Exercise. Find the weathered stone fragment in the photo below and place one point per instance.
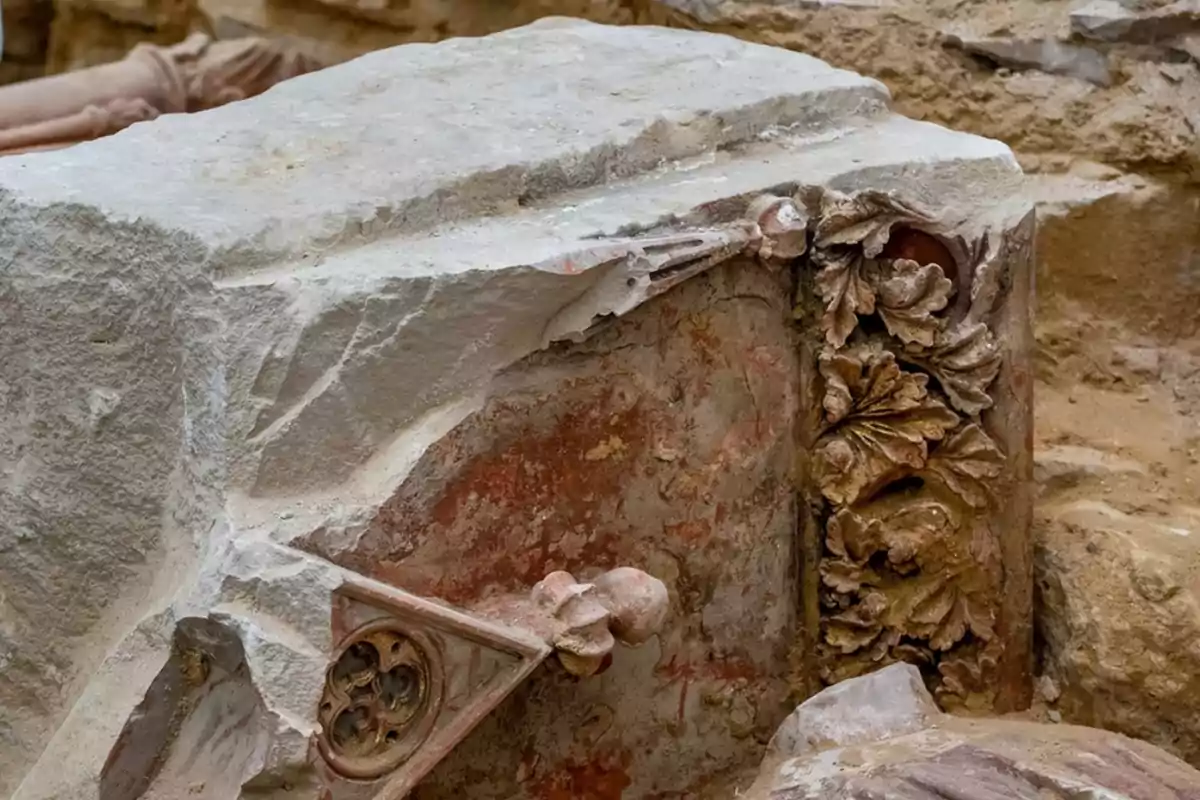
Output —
(295, 418)
(1110, 21)
(933, 756)
(1046, 55)
(890, 702)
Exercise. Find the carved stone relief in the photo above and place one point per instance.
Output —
(383, 693)
(194, 75)
(411, 678)
(628, 448)
(407, 448)
(910, 478)
(903, 474)
(924, 547)
(859, 516)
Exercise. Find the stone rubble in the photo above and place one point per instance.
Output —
(1046, 55)
(913, 751)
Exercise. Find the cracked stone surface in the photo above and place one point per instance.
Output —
(380, 335)
(915, 752)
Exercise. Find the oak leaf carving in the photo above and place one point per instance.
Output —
(965, 360)
(883, 418)
(938, 585)
(945, 618)
(967, 676)
(843, 286)
(864, 219)
(859, 626)
(968, 463)
(843, 575)
(849, 235)
(905, 534)
(941, 606)
(933, 610)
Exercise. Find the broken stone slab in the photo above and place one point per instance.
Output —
(1045, 55)
(934, 755)
(1111, 21)
(882, 705)
(1102, 20)
(1189, 45)
(462, 317)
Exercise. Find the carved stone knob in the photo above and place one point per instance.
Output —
(637, 601)
(783, 225)
(624, 602)
(581, 635)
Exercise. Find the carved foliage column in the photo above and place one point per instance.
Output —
(917, 457)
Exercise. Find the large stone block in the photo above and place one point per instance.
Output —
(312, 402)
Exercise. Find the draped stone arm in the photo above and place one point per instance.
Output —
(90, 122)
(193, 75)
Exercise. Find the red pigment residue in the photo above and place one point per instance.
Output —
(922, 248)
(506, 517)
(683, 674)
(603, 777)
(710, 669)
(692, 531)
(707, 344)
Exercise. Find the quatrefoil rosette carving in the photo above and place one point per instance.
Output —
(389, 679)
(383, 693)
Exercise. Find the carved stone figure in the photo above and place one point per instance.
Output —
(194, 75)
(541, 419)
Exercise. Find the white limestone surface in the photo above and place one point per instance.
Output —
(224, 330)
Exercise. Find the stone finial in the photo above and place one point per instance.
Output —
(637, 602)
(783, 226)
(586, 619)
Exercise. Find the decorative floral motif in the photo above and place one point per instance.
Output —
(965, 361)
(849, 238)
(968, 464)
(966, 682)
(965, 358)
(912, 570)
(908, 295)
(884, 417)
(846, 291)
(864, 220)
(946, 596)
